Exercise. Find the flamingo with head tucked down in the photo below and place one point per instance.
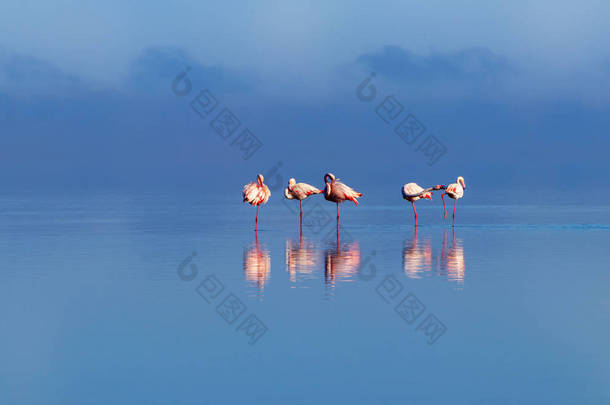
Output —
(337, 192)
(299, 191)
(455, 191)
(256, 194)
(413, 192)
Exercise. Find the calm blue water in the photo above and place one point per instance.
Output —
(104, 299)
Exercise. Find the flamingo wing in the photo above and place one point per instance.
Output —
(454, 190)
(256, 194)
(411, 190)
(264, 194)
(250, 192)
(348, 193)
(308, 189)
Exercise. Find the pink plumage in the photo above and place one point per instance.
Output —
(299, 191)
(413, 192)
(455, 191)
(256, 194)
(338, 192)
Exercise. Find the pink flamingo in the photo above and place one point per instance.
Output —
(455, 191)
(256, 194)
(299, 191)
(338, 192)
(413, 192)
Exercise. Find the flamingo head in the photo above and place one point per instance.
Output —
(260, 179)
(329, 176)
(461, 181)
(292, 182)
(440, 187)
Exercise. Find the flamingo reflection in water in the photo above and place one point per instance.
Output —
(417, 256)
(342, 262)
(301, 258)
(257, 264)
(452, 261)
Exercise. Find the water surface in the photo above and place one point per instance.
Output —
(173, 298)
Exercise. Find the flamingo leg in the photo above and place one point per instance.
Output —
(337, 237)
(414, 212)
(444, 208)
(256, 221)
(337, 213)
(301, 219)
(444, 248)
(454, 205)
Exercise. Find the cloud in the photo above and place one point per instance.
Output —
(155, 68)
(150, 72)
(472, 63)
(81, 131)
(28, 75)
(143, 132)
(473, 73)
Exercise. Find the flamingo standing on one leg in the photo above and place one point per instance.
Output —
(299, 191)
(338, 192)
(413, 192)
(455, 191)
(256, 194)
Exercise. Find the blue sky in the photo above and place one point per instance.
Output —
(518, 93)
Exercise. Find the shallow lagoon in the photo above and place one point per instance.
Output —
(102, 301)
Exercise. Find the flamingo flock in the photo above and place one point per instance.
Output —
(257, 193)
